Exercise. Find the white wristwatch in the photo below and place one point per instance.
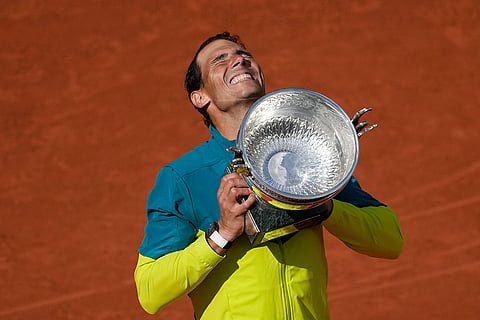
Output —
(213, 234)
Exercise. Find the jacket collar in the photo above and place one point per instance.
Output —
(220, 140)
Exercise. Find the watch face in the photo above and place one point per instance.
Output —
(213, 227)
(212, 234)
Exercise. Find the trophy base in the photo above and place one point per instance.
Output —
(265, 222)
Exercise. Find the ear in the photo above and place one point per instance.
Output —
(199, 98)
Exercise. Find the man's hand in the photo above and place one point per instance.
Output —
(234, 198)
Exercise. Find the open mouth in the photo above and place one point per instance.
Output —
(241, 77)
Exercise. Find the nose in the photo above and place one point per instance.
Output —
(240, 60)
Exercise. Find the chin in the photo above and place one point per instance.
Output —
(252, 94)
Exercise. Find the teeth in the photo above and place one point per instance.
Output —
(241, 77)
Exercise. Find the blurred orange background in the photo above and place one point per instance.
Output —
(92, 105)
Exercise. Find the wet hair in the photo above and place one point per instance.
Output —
(193, 77)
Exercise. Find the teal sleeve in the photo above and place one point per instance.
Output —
(171, 221)
(164, 280)
(354, 194)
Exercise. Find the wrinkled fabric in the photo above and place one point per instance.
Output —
(284, 278)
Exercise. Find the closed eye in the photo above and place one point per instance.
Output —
(219, 59)
(244, 53)
(222, 57)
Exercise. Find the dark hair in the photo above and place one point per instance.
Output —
(193, 77)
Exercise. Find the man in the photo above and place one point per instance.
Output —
(194, 240)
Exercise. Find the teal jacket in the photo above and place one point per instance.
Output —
(281, 279)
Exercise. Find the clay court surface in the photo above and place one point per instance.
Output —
(92, 106)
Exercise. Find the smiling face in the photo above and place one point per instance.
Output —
(230, 76)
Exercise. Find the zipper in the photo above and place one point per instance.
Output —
(285, 285)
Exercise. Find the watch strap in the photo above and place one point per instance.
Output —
(216, 237)
(219, 240)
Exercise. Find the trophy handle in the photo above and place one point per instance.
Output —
(361, 127)
(237, 164)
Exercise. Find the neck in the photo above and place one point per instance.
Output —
(228, 123)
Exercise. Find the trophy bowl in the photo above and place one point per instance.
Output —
(299, 146)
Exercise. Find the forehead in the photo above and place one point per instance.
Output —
(212, 50)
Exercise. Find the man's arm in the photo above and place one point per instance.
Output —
(364, 224)
(372, 230)
(174, 256)
(166, 279)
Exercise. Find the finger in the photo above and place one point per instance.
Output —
(233, 175)
(233, 179)
(229, 181)
(233, 191)
(242, 191)
(234, 182)
(239, 194)
(248, 201)
(241, 206)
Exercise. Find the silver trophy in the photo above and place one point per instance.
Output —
(296, 149)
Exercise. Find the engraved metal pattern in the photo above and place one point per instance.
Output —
(298, 145)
